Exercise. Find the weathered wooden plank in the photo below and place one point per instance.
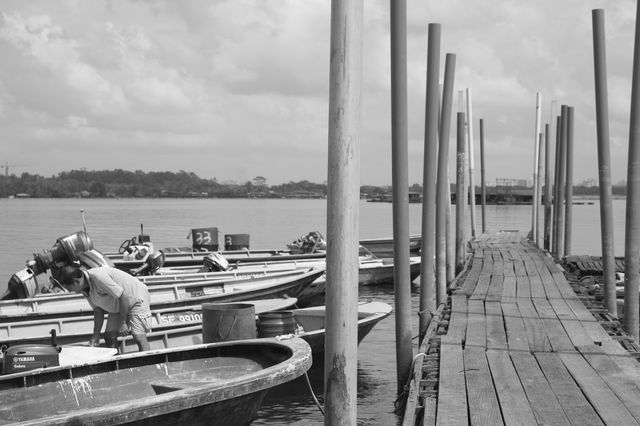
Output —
(498, 263)
(496, 334)
(516, 332)
(480, 292)
(536, 333)
(566, 390)
(452, 393)
(429, 411)
(543, 401)
(487, 262)
(529, 265)
(494, 292)
(524, 287)
(556, 333)
(621, 385)
(573, 327)
(509, 270)
(510, 393)
(610, 409)
(476, 330)
(537, 289)
(484, 408)
(509, 288)
(458, 320)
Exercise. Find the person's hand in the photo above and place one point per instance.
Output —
(124, 329)
(94, 343)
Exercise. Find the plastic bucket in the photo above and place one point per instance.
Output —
(236, 241)
(272, 324)
(223, 322)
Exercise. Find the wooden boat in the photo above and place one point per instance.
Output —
(383, 247)
(222, 382)
(290, 283)
(372, 271)
(77, 329)
(168, 335)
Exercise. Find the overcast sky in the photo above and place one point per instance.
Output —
(238, 89)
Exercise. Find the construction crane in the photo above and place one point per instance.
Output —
(6, 166)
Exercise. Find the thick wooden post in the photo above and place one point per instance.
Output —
(460, 193)
(604, 162)
(556, 187)
(568, 190)
(632, 227)
(341, 340)
(561, 179)
(400, 181)
(483, 187)
(427, 273)
(442, 204)
(547, 189)
(536, 158)
(538, 191)
(470, 159)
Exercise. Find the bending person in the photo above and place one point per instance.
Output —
(122, 296)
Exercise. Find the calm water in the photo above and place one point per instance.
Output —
(31, 225)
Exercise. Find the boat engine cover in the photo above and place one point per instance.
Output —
(29, 357)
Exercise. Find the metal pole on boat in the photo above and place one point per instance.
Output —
(460, 194)
(536, 157)
(561, 177)
(568, 189)
(472, 185)
(84, 223)
(482, 182)
(547, 188)
(604, 161)
(632, 226)
(400, 181)
(556, 186)
(343, 197)
(443, 181)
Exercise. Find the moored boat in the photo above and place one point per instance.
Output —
(290, 283)
(225, 382)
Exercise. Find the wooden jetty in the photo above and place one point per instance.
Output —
(515, 345)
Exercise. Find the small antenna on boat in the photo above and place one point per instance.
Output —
(84, 224)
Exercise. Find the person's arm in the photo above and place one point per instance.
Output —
(98, 321)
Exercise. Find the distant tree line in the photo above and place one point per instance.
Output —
(127, 184)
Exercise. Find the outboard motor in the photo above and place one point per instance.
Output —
(17, 359)
(215, 262)
(152, 263)
(76, 248)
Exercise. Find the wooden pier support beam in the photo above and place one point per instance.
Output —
(442, 192)
(470, 159)
(483, 187)
(460, 194)
(568, 189)
(400, 181)
(632, 227)
(536, 159)
(604, 162)
(343, 198)
(547, 189)
(427, 272)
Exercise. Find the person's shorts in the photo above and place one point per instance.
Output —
(138, 320)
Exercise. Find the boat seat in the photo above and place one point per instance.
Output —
(165, 386)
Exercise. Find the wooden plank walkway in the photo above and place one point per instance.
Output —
(521, 349)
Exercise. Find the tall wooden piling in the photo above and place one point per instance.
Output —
(442, 193)
(561, 178)
(538, 236)
(547, 189)
(343, 198)
(483, 187)
(400, 181)
(460, 193)
(427, 273)
(536, 158)
(632, 226)
(568, 189)
(556, 188)
(604, 161)
(470, 159)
